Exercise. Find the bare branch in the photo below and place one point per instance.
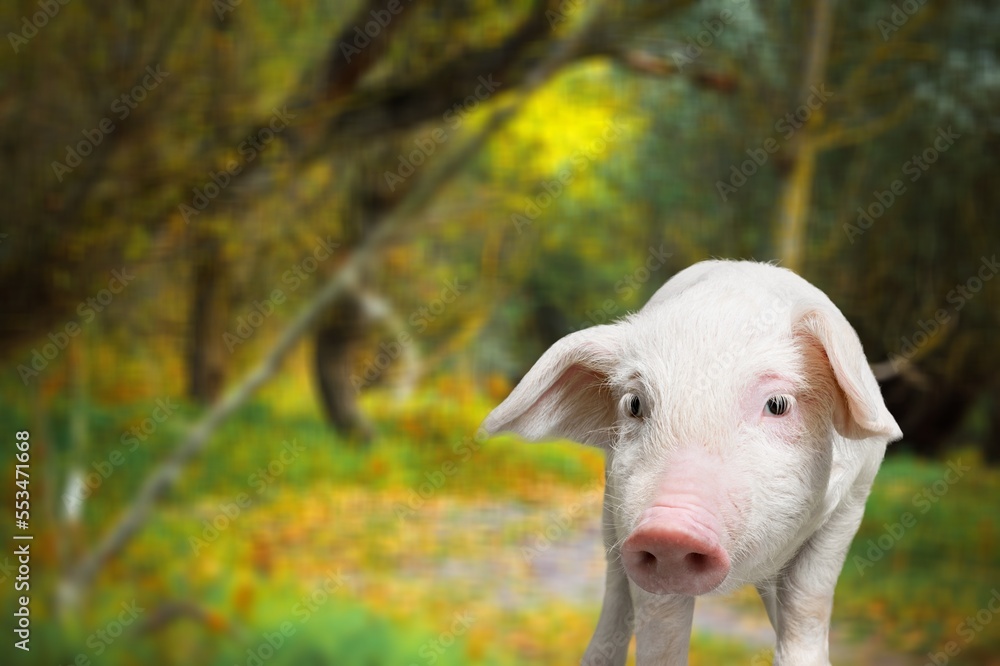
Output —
(896, 48)
(886, 370)
(651, 64)
(346, 68)
(163, 477)
(838, 135)
(403, 104)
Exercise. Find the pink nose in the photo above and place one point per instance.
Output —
(671, 553)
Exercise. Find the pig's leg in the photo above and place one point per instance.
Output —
(662, 628)
(609, 645)
(768, 595)
(805, 592)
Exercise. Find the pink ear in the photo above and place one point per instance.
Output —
(565, 394)
(866, 414)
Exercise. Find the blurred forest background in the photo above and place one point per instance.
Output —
(266, 266)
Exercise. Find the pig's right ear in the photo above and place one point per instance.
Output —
(566, 394)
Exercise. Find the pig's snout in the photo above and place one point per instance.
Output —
(672, 551)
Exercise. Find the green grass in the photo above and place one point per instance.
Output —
(943, 568)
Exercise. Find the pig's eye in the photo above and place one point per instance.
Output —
(632, 406)
(777, 405)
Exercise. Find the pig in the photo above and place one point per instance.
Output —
(742, 428)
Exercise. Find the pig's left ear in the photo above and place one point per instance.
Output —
(565, 395)
(864, 415)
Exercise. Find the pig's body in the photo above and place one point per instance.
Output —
(743, 429)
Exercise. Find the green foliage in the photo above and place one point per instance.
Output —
(335, 511)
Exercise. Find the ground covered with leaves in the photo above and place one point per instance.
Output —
(284, 546)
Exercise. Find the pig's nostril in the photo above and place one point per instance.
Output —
(697, 561)
(674, 555)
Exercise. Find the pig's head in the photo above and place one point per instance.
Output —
(719, 405)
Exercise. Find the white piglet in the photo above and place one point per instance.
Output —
(743, 429)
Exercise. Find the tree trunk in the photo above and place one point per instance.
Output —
(793, 206)
(991, 447)
(796, 188)
(336, 341)
(350, 319)
(205, 357)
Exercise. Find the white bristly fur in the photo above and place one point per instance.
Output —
(703, 356)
